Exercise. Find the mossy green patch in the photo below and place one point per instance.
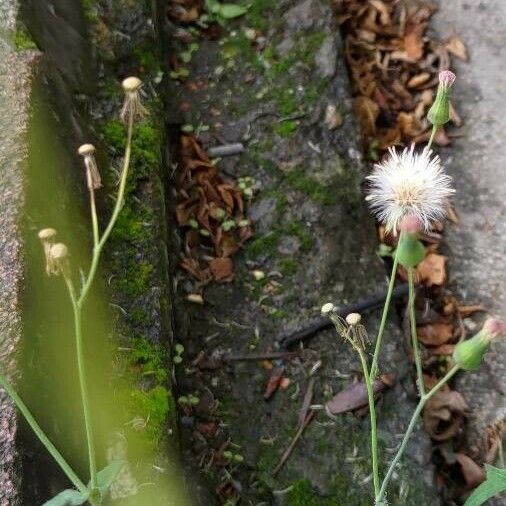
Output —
(137, 280)
(151, 359)
(303, 494)
(153, 407)
(286, 128)
(267, 244)
(299, 179)
(23, 40)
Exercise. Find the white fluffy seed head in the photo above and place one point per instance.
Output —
(409, 183)
(327, 308)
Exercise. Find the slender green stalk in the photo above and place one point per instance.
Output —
(97, 250)
(72, 476)
(414, 336)
(83, 384)
(94, 218)
(381, 331)
(372, 415)
(432, 135)
(409, 431)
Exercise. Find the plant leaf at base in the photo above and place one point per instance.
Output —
(493, 485)
(69, 497)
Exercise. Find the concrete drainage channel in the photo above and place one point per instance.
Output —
(310, 229)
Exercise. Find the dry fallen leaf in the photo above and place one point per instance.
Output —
(222, 269)
(443, 415)
(431, 270)
(435, 334)
(457, 48)
(367, 111)
(354, 396)
(472, 472)
(274, 382)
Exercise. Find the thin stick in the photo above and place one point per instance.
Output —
(72, 476)
(381, 331)
(261, 356)
(423, 400)
(317, 324)
(289, 450)
(414, 335)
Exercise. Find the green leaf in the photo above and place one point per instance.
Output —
(69, 497)
(493, 485)
(213, 6)
(106, 477)
(230, 11)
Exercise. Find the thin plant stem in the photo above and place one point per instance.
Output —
(57, 456)
(372, 415)
(432, 135)
(409, 431)
(83, 383)
(94, 218)
(97, 250)
(414, 335)
(381, 331)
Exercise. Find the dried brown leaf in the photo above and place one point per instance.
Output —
(431, 270)
(472, 472)
(435, 334)
(457, 48)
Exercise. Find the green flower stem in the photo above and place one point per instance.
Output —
(97, 250)
(372, 415)
(414, 336)
(381, 331)
(72, 476)
(83, 384)
(432, 135)
(94, 219)
(421, 404)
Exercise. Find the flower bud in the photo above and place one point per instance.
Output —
(87, 151)
(327, 308)
(410, 251)
(58, 259)
(469, 354)
(439, 113)
(353, 319)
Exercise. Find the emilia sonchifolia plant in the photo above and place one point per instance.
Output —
(58, 264)
(407, 192)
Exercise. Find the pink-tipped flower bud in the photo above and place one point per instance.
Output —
(447, 78)
(410, 251)
(439, 113)
(469, 354)
(410, 224)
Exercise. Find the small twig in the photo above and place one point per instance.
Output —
(288, 451)
(235, 148)
(261, 356)
(317, 324)
(308, 397)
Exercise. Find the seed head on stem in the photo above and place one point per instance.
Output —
(47, 235)
(132, 106)
(87, 151)
(59, 260)
(409, 183)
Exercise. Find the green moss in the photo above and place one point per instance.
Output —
(303, 494)
(267, 244)
(23, 40)
(322, 193)
(286, 128)
(259, 15)
(264, 245)
(153, 406)
(136, 280)
(146, 147)
(150, 359)
(288, 266)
